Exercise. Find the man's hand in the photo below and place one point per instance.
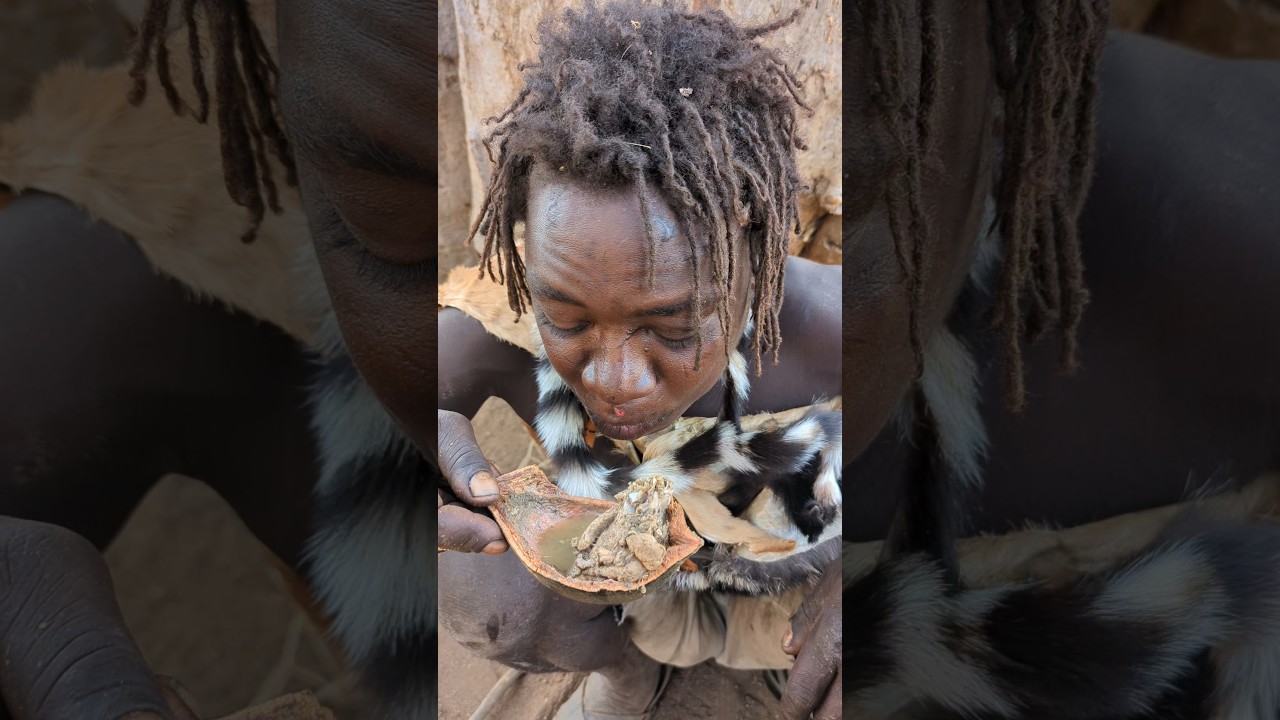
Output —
(813, 687)
(65, 648)
(470, 486)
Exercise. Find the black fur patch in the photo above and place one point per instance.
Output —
(398, 478)
(867, 606)
(1048, 650)
(775, 459)
(701, 451)
(403, 674)
(796, 493)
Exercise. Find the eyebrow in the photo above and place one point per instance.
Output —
(668, 310)
(366, 152)
(550, 293)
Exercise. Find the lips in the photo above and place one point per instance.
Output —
(629, 430)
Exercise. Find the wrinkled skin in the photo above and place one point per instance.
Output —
(54, 581)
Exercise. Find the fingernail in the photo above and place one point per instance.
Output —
(786, 639)
(483, 485)
(497, 547)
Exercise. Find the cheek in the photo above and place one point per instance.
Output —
(877, 369)
(878, 365)
(391, 337)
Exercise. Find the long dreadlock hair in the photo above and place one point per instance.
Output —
(1046, 61)
(654, 96)
(244, 84)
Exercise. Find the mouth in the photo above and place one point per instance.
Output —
(627, 431)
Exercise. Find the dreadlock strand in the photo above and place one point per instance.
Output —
(646, 211)
(237, 159)
(261, 75)
(149, 30)
(244, 89)
(738, 213)
(257, 111)
(197, 61)
(930, 54)
(163, 70)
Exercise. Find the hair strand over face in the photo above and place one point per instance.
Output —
(1046, 58)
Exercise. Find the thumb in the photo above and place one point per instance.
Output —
(464, 466)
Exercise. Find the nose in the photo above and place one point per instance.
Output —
(619, 373)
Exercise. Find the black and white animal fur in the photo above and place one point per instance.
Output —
(1190, 629)
(370, 560)
(798, 466)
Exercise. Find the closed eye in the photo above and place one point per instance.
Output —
(678, 343)
(545, 321)
(393, 276)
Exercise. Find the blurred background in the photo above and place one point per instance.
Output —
(204, 602)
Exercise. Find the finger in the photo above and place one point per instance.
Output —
(465, 530)
(462, 463)
(804, 619)
(808, 682)
(479, 544)
(821, 600)
(71, 654)
(831, 707)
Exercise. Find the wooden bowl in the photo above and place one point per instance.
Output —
(530, 504)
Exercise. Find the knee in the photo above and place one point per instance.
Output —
(493, 612)
(32, 550)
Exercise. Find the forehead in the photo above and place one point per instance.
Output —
(576, 229)
(565, 213)
(358, 67)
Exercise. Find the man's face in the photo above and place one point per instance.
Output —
(626, 347)
(878, 365)
(357, 81)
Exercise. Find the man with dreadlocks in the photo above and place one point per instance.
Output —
(1177, 355)
(650, 158)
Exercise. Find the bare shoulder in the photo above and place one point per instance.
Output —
(811, 303)
(1185, 199)
(1199, 128)
(810, 318)
(474, 365)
